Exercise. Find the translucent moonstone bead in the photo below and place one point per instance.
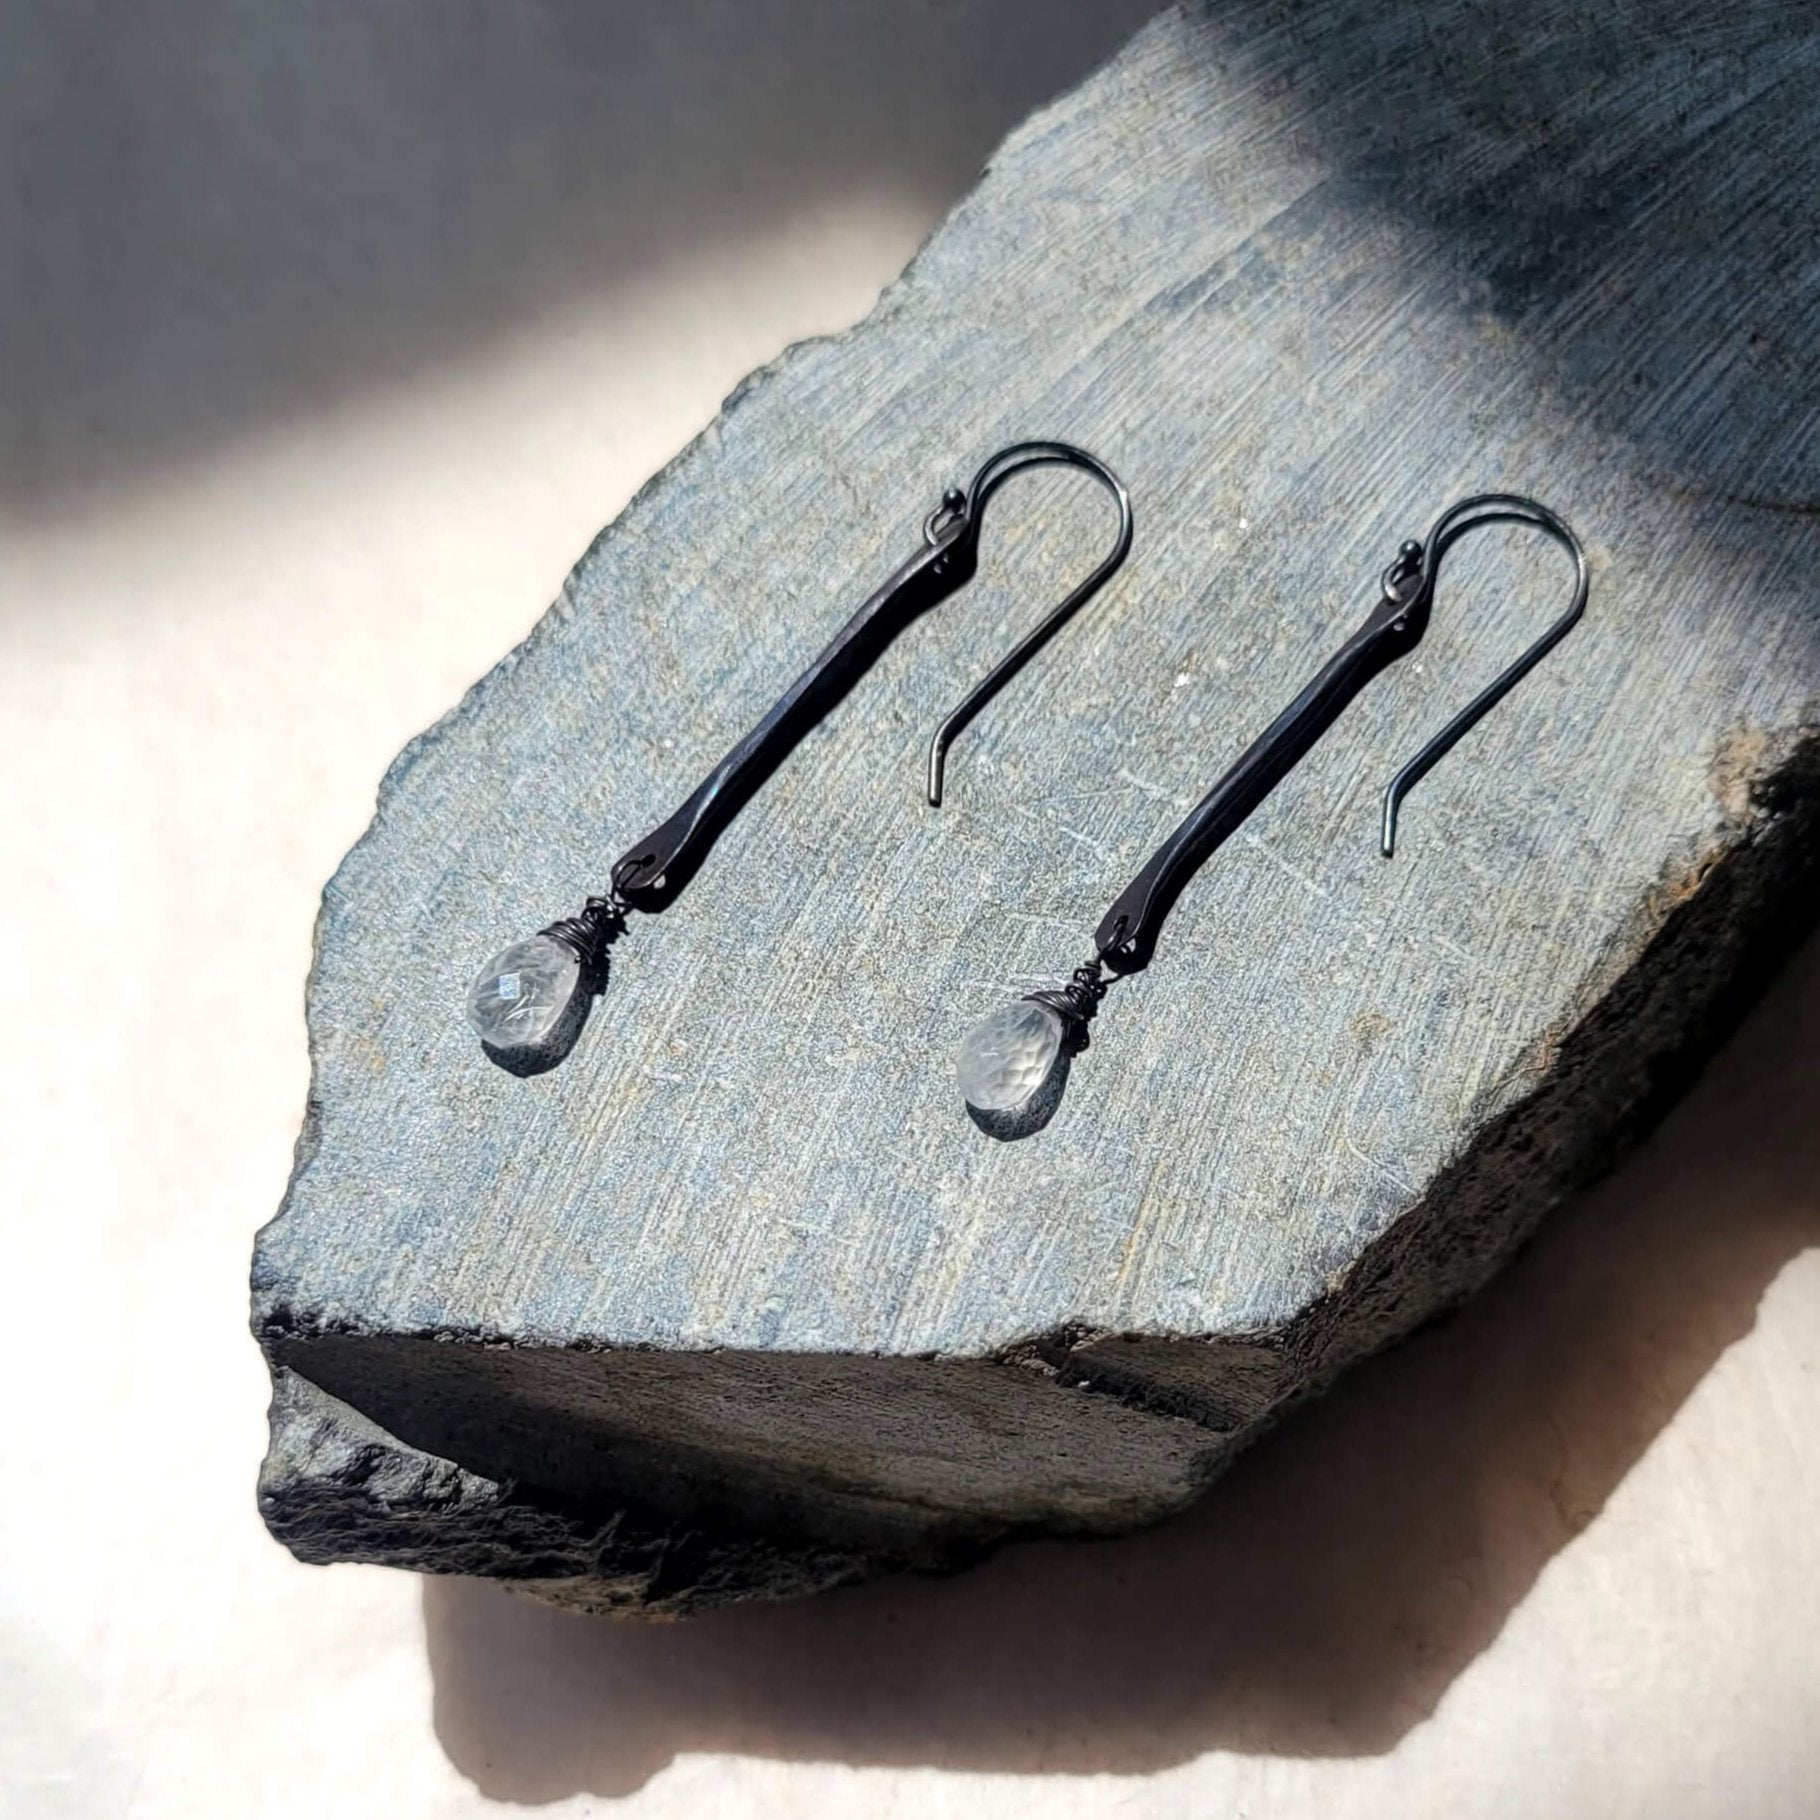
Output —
(1006, 1059)
(522, 993)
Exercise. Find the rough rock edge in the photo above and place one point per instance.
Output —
(335, 1486)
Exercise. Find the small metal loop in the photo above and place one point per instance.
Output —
(952, 510)
(986, 482)
(1403, 582)
(1419, 564)
(1076, 1002)
(588, 936)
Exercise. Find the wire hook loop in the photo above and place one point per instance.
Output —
(971, 508)
(1420, 565)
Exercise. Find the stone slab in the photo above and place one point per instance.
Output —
(737, 1301)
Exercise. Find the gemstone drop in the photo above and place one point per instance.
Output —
(1006, 1059)
(522, 993)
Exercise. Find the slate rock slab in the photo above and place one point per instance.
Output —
(737, 1302)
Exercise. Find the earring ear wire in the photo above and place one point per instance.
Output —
(986, 482)
(1453, 524)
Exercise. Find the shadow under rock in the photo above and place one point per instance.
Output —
(1319, 1602)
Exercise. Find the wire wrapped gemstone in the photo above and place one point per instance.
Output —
(523, 992)
(1007, 1059)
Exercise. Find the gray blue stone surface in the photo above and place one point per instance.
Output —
(737, 1300)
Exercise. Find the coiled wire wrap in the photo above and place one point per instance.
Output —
(1076, 1002)
(588, 936)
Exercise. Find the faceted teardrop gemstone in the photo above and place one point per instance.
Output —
(1007, 1059)
(523, 994)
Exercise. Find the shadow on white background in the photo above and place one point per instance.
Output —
(1318, 1602)
(216, 214)
(331, 337)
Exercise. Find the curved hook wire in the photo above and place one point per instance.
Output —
(1421, 563)
(969, 508)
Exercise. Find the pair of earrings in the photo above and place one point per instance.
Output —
(530, 1003)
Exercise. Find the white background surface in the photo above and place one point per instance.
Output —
(332, 336)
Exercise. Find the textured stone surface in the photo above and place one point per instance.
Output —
(737, 1300)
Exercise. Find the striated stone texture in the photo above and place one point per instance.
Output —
(737, 1301)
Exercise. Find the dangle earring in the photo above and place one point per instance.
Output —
(1014, 1063)
(530, 1001)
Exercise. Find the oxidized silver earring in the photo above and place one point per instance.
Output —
(1014, 1063)
(531, 1000)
